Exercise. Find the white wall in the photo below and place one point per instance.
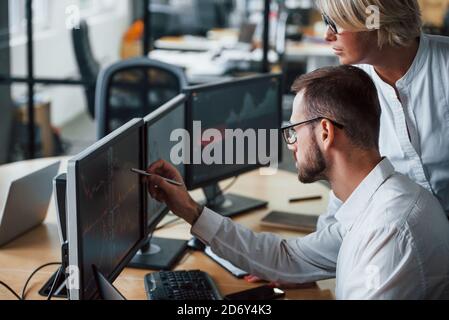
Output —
(54, 56)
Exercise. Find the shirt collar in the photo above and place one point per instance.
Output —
(361, 197)
(416, 66)
(418, 62)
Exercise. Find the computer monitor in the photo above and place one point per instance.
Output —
(160, 125)
(161, 253)
(106, 208)
(253, 105)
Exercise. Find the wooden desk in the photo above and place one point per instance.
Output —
(41, 245)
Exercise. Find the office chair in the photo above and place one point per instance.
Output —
(87, 65)
(134, 88)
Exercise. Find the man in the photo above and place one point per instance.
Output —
(411, 72)
(390, 238)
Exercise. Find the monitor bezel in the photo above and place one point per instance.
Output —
(74, 238)
(149, 120)
(190, 184)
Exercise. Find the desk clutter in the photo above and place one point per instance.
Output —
(48, 142)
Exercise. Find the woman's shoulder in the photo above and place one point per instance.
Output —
(439, 43)
(439, 53)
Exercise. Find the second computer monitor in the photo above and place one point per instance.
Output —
(161, 253)
(252, 105)
(159, 128)
(234, 129)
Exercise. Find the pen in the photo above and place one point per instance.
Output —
(306, 199)
(176, 183)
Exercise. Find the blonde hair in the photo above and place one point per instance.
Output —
(399, 20)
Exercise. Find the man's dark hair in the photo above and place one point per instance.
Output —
(347, 95)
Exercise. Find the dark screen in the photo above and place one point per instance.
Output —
(243, 105)
(159, 148)
(109, 207)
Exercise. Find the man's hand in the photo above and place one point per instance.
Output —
(254, 279)
(176, 198)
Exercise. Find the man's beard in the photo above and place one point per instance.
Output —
(315, 166)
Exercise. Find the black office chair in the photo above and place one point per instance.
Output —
(88, 67)
(134, 88)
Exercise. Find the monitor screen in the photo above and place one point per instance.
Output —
(106, 207)
(159, 127)
(251, 106)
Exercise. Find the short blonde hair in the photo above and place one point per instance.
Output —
(400, 20)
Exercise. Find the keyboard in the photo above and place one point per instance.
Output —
(181, 285)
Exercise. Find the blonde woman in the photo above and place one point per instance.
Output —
(411, 72)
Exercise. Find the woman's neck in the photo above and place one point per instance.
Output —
(393, 63)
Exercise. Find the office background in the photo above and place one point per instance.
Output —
(113, 34)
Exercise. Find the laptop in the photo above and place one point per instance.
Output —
(24, 201)
(246, 37)
(247, 32)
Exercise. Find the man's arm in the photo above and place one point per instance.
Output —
(266, 255)
(299, 260)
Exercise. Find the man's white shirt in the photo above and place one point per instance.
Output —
(389, 240)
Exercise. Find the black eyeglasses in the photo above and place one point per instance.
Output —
(289, 132)
(329, 23)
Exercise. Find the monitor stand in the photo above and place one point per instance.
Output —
(229, 205)
(159, 254)
(58, 280)
(106, 290)
(60, 290)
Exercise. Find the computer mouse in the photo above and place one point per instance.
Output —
(196, 244)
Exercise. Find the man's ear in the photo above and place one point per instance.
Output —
(327, 134)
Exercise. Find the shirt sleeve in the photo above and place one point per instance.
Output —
(300, 260)
(328, 218)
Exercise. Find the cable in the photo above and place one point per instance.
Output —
(34, 272)
(167, 223)
(231, 184)
(10, 290)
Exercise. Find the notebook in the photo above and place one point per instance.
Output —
(290, 221)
